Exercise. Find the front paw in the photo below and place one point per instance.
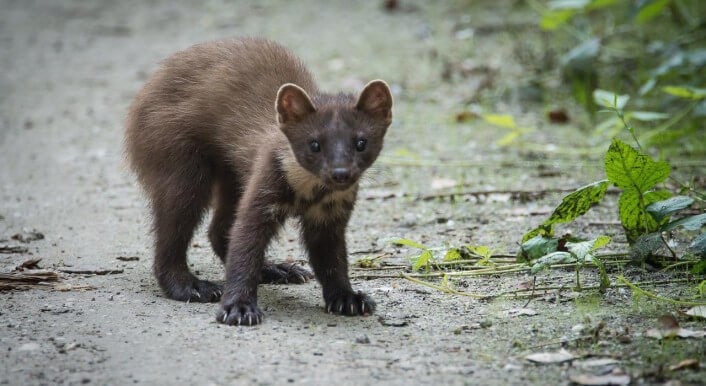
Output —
(234, 312)
(350, 303)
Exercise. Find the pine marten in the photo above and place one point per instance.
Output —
(240, 125)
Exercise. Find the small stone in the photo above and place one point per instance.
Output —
(579, 328)
(363, 339)
(486, 323)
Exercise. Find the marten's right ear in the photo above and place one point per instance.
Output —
(293, 104)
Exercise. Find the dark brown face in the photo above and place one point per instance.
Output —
(339, 138)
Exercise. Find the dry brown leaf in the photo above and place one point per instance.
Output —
(685, 364)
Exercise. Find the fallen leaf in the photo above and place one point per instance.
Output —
(602, 362)
(551, 357)
(128, 258)
(668, 326)
(685, 364)
(681, 333)
(89, 271)
(29, 264)
(441, 183)
(28, 235)
(464, 116)
(7, 248)
(600, 380)
(558, 116)
(524, 285)
(667, 322)
(697, 312)
(522, 311)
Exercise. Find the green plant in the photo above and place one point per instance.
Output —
(644, 211)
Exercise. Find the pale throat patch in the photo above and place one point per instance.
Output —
(306, 185)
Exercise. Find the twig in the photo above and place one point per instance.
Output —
(440, 288)
(651, 295)
(479, 193)
(674, 255)
(534, 281)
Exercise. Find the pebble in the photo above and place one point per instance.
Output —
(363, 339)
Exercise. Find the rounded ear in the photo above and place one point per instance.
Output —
(293, 103)
(376, 100)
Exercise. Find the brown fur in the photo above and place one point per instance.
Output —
(232, 124)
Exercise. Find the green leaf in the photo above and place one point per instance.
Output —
(509, 138)
(648, 115)
(568, 4)
(551, 259)
(646, 245)
(596, 4)
(648, 86)
(660, 210)
(700, 268)
(577, 203)
(482, 251)
(581, 250)
(406, 242)
(552, 20)
(609, 99)
(691, 223)
(685, 92)
(572, 206)
(452, 254)
(582, 56)
(632, 215)
(422, 261)
(629, 169)
(539, 231)
(698, 246)
(537, 247)
(500, 120)
(650, 11)
(604, 279)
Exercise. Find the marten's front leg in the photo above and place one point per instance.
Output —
(254, 227)
(326, 245)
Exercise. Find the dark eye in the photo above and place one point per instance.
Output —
(314, 146)
(360, 145)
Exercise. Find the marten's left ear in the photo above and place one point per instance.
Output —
(376, 100)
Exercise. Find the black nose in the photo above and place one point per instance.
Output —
(340, 174)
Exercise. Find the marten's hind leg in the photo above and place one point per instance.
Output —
(179, 200)
(227, 193)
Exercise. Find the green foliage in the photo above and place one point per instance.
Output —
(543, 252)
(633, 216)
(635, 173)
(698, 247)
(663, 209)
(631, 170)
(638, 47)
(571, 207)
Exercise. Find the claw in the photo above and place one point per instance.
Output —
(225, 316)
(352, 309)
(328, 308)
(301, 278)
(249, 320)
(238, 324)
(362, 307)
(340, 309)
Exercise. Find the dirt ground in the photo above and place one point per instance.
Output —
(69, 72)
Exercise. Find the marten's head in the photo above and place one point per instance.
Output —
(335, 137)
